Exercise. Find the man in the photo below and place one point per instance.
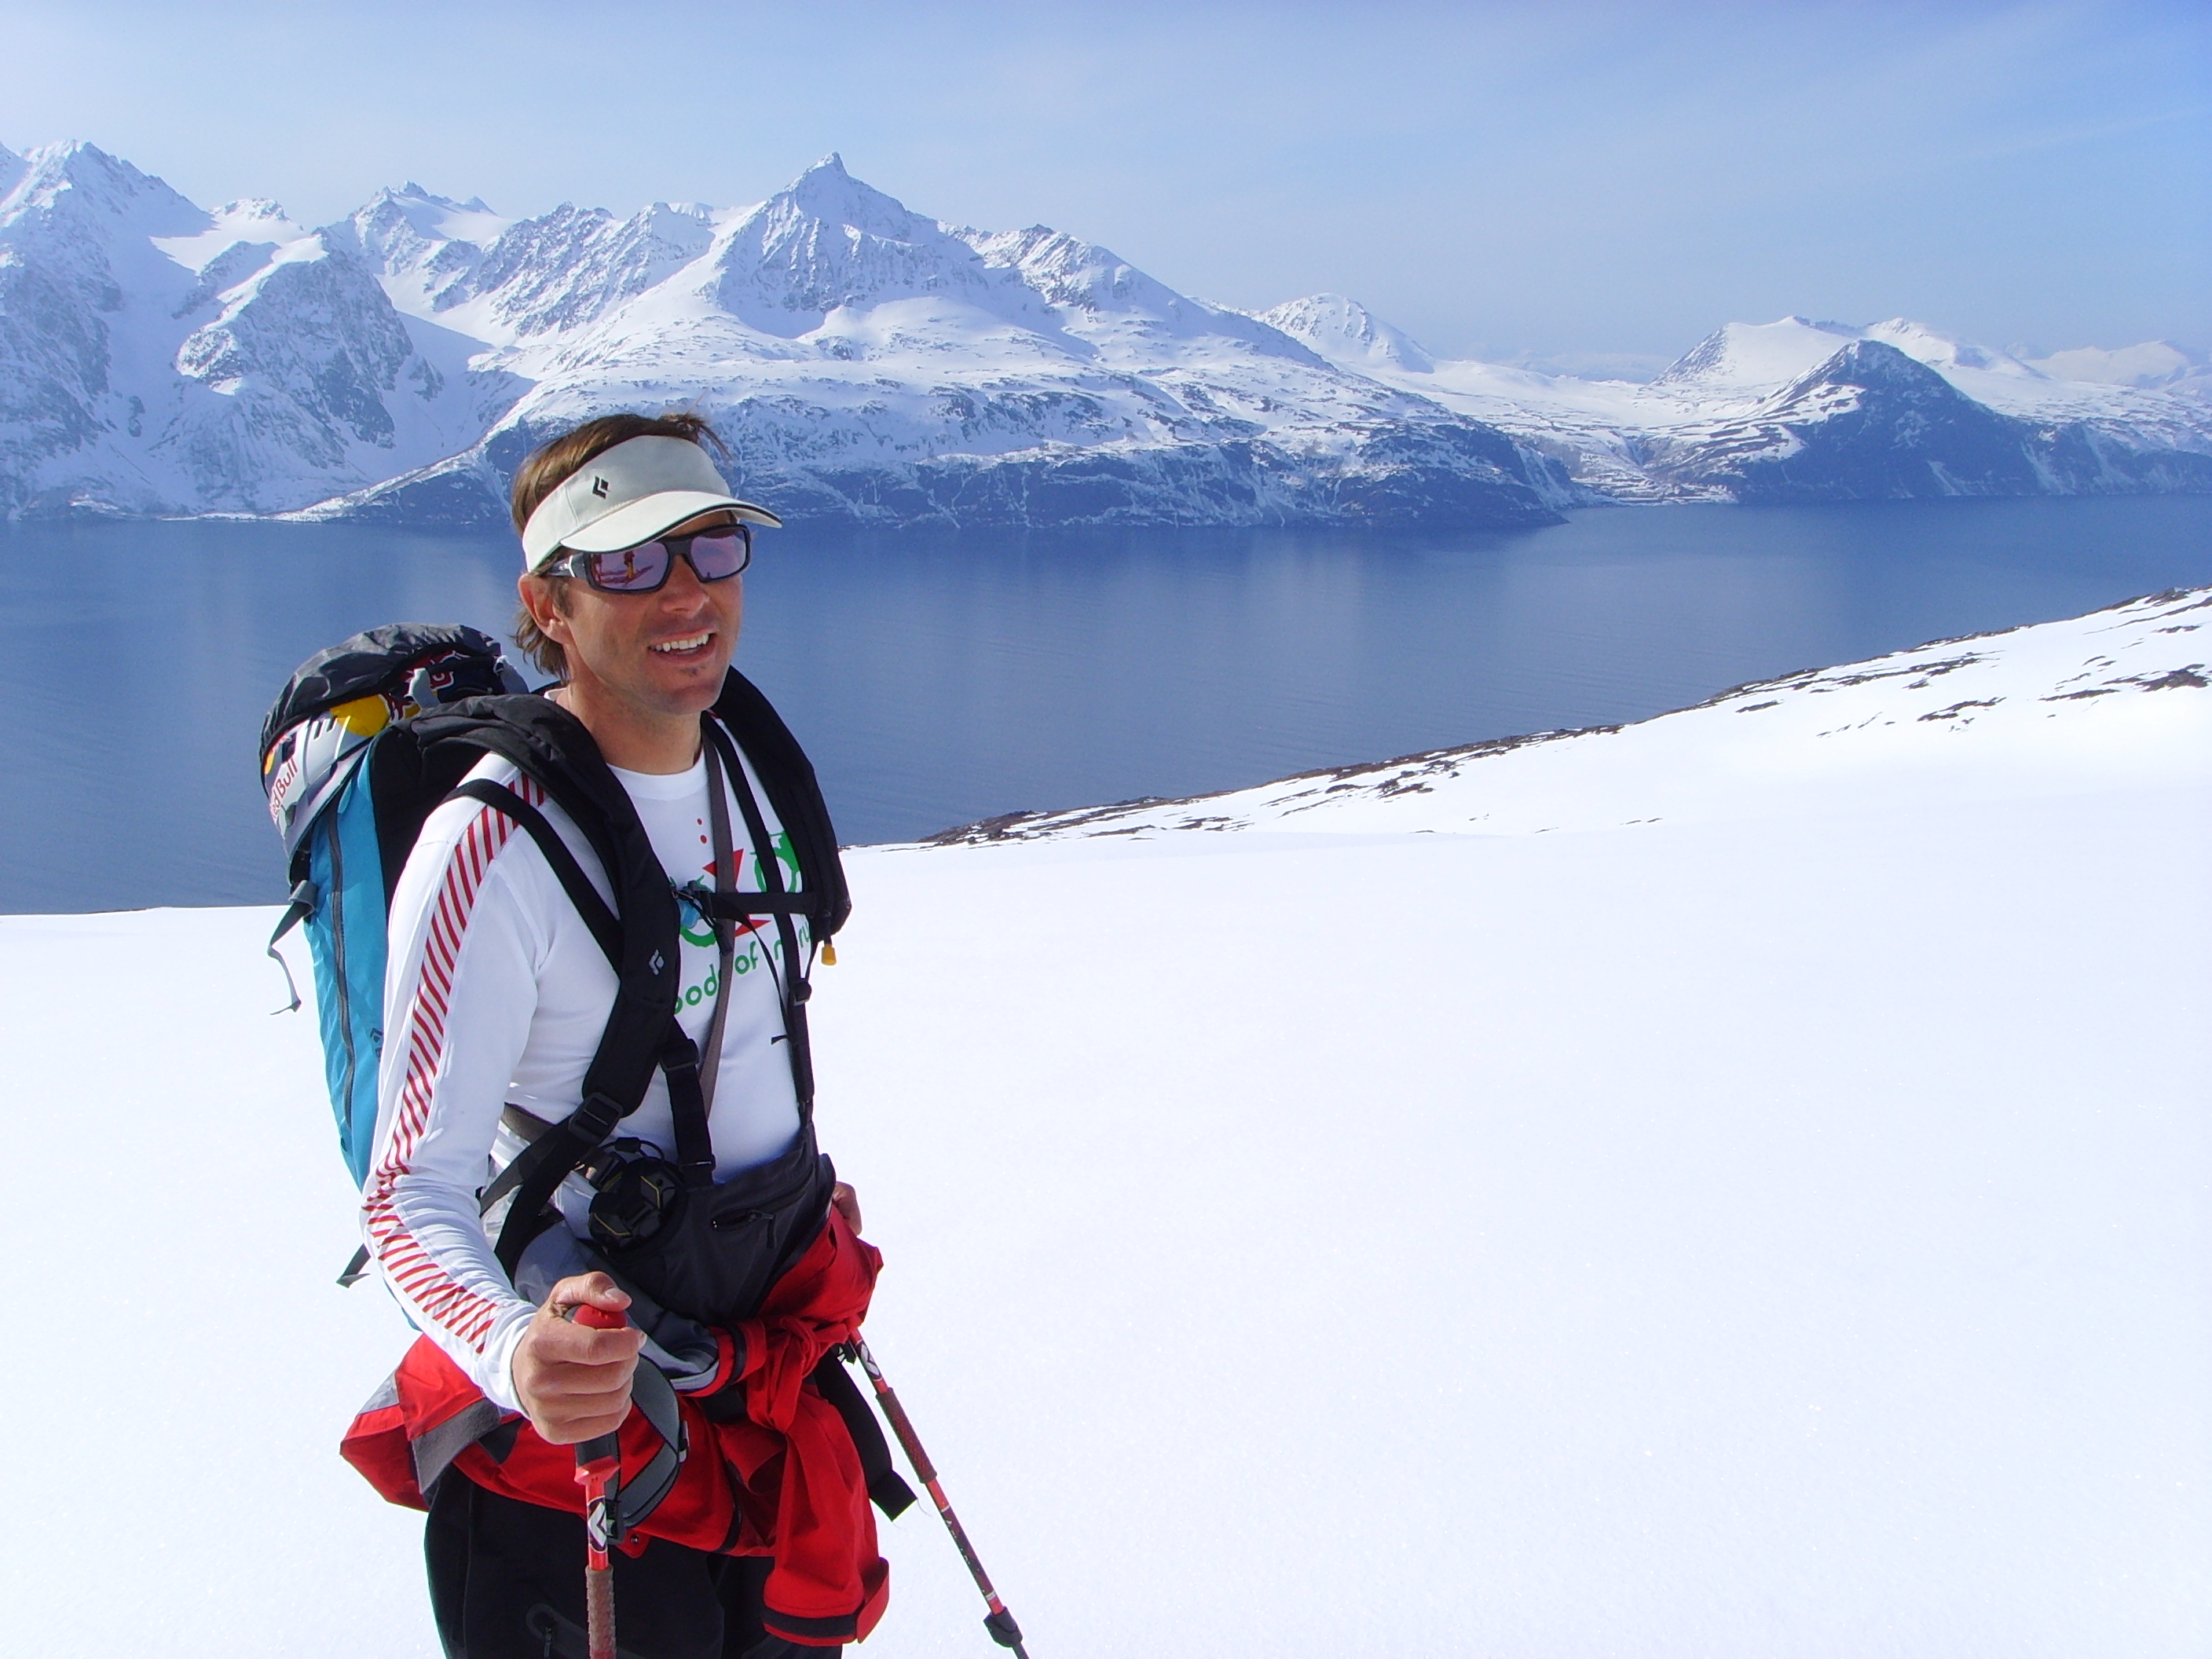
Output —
(499, 990)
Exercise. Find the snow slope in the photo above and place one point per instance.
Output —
(2154, 364)
(2058, 706)
(1731, 1186)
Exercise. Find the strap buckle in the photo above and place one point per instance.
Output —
(679, 1053)
(598, 1114)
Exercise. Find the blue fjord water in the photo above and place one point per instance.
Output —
(938, 679)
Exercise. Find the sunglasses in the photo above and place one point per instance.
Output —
(715, 556)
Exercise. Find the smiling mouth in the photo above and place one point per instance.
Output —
(690, 646)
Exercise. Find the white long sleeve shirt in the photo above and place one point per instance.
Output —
(495, 993)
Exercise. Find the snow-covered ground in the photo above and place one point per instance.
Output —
(1731, 1186)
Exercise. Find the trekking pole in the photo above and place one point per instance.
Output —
(598, 1471)
(1001, 1623)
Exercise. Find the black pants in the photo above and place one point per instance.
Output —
(507, 1582)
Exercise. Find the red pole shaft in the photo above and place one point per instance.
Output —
(903, 1426)
(599, 1470)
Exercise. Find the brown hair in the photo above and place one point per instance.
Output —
(550, 464)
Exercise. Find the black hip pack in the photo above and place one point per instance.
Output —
(712, 1252)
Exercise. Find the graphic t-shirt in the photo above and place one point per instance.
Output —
(672, 806)
(498, 995)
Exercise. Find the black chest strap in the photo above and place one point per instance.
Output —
(696, 1155)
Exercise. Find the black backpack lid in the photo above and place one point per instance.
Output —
(368, 662)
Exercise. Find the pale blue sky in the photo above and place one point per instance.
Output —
(1551, 179)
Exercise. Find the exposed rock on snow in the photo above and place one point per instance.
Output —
(2027, 695)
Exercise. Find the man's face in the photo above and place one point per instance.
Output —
(662, 653)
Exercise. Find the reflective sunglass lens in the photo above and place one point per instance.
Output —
(627, 568)
(716, 554)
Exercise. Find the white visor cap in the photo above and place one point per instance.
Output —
(628, 494)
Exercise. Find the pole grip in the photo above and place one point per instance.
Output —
(600, 1613)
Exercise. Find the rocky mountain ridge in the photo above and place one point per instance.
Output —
(874, 364)
(158, 358)
(1798, 410)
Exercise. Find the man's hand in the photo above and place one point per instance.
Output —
(573, 1380)
(849, 1206)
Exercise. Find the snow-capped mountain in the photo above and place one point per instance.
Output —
(1345, 332)
(2154, 365)
(871, 363)
(1756, 356)
(1872, 422)
(156, 357)
(1798, 410)
(422, 245)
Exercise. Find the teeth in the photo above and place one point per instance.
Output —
(691, 643)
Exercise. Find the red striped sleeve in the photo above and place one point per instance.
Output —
(409, 1267)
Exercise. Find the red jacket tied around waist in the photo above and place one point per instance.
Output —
(783, 1479)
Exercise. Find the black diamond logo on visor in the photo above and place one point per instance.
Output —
(600, 488)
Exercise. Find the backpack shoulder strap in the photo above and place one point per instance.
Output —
(551, 745)
(787, 778)
(639, 933)
(791, 985)
(642, 1034)
(605, 927)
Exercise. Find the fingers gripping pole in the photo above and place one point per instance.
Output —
(599, 1470)
(1001, 1623)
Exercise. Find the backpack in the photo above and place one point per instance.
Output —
(368, 737)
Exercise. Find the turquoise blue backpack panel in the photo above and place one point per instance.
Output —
(323, 751)
(346, 937)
